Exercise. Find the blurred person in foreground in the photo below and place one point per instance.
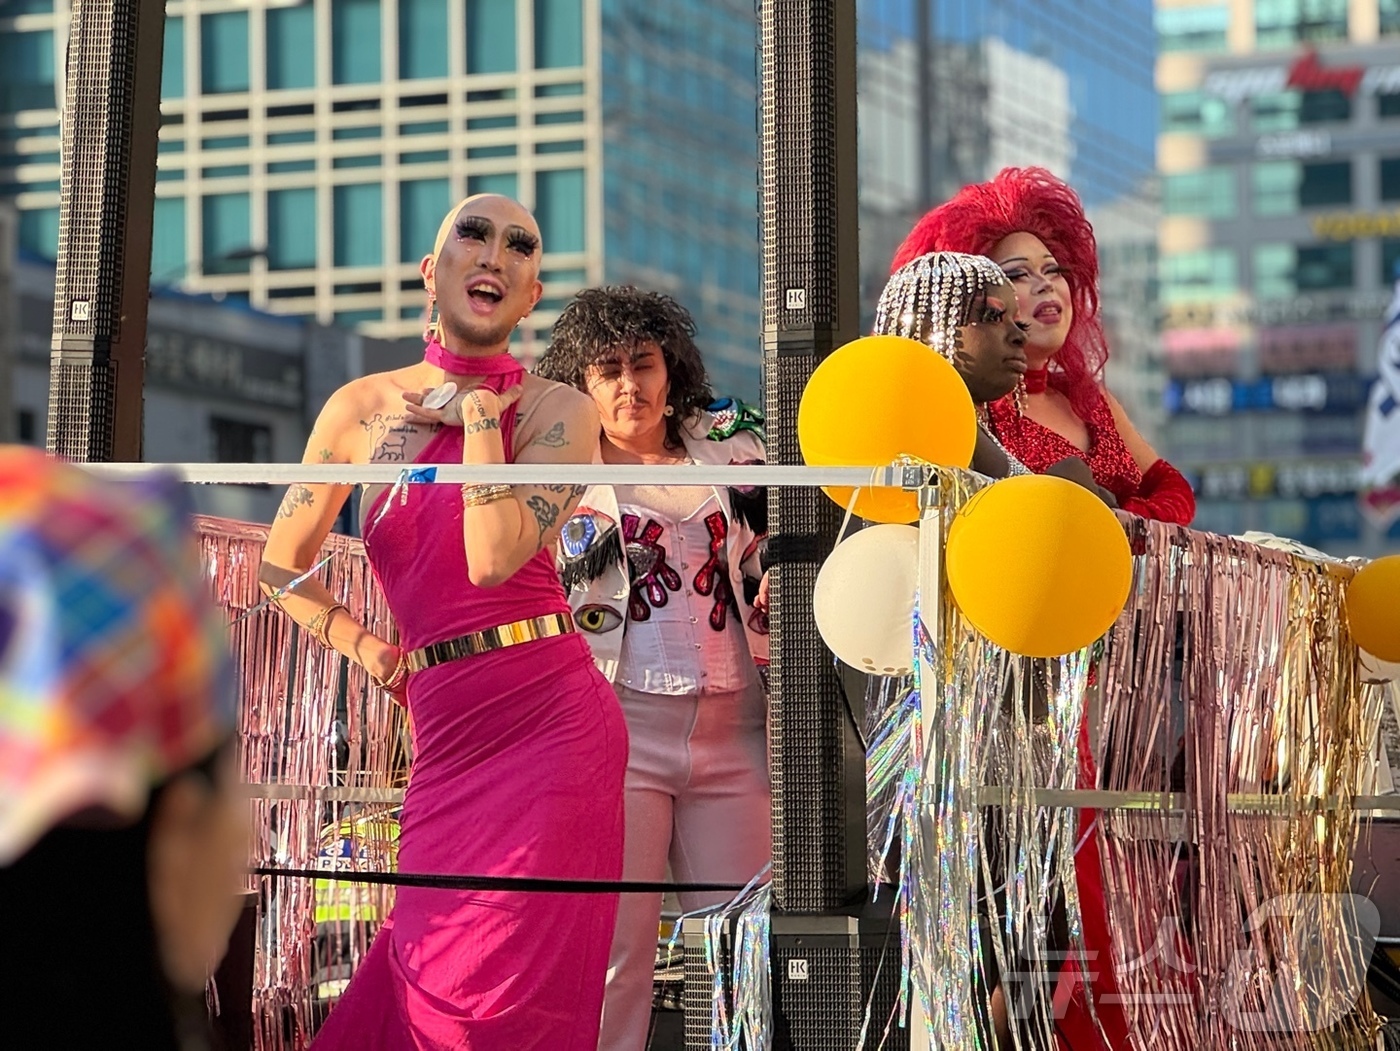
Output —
(123, 839)
(666, 583)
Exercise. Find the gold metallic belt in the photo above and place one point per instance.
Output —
(498, 638)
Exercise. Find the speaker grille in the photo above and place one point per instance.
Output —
(810, 287)
(111, 112)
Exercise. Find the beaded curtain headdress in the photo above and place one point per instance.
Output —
(929, 298)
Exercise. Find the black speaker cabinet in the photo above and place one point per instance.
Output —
(834, 977)
(111, 116)
(811, 285)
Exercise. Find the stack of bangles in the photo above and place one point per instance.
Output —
(319, 630)
(476, 495)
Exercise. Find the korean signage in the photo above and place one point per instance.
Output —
(1303, 480)
(207, 365)
(1355, 226)
(1306, 392)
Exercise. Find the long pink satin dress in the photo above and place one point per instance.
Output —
(519, 757)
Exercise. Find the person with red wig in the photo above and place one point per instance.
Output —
(1033, 226)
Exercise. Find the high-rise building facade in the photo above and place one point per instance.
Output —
(1279, 156)
(952, 92)
(309, 149)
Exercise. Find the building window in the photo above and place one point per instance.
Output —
(558, 34)
(1210, 194)
(1324, 268)
(1281, 23)
(1275, 186)
(291, 228)
(359, 225)
(168, 260)
(1390, 17)
(559, 209)
(422, 39)
(1390, 260)
(27, 427)
(504, 183)
(226, 233)
(1324, 107)
(1201, 28)
(291, 47)
(1390, 178)
(38, 232)
(172, 63)
(422, 203)
(1285, 110)
(1205, 274)
(1198, 113)
(355, 33)
(1388, 104)
(237, 441)
(1274, 266)
(490, 36)
(1325, 184)
(26, 71)
(223, 52)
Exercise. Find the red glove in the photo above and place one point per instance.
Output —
(1163, 495)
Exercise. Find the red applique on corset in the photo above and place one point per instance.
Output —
(1036, 446)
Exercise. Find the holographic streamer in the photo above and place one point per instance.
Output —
(310, 719)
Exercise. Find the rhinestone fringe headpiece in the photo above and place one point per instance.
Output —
(930, 297)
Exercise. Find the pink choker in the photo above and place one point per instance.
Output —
(469, 365)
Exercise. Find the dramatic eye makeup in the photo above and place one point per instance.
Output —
(522, 242)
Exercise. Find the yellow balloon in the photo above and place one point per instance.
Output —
(1373, 608)
(1039, 565)
(879, 398)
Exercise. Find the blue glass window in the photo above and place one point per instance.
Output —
(291, 47)
(422, 204)
(359, 225)
(226, 231)
(355, 29)
(172, 65)
(422, 38)
(38, 232)
(26, 71)
(559, 209)
(558, 33)
(168, 263)
(507, 184)
(223, 52)
(291, 228)
(490, 36)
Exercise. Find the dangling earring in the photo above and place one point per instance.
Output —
(1019, 396)
(430, 332)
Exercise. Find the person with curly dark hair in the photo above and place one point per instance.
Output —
(666, 584)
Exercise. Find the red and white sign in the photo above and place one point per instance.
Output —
(1307, 73)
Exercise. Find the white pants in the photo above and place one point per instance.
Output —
(697, 797)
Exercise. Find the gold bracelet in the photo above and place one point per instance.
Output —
(476, 495)
(396, 677)
(321, 622)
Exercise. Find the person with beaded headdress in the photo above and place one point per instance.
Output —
(123, 830)
(519, 744)
(964, 307)
(1033, 226)
(666, 582)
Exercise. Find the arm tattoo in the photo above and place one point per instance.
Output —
(572, 490)
(298, 496)
(546, 513)
(553, 438)
(325, 456)
(480, 408)
(487, 424)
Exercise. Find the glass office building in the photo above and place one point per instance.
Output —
(309, 150)
(1280, 236)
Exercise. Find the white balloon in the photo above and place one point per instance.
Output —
(864, 599)
(1375, 671)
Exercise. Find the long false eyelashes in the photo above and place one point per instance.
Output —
(516, 240)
